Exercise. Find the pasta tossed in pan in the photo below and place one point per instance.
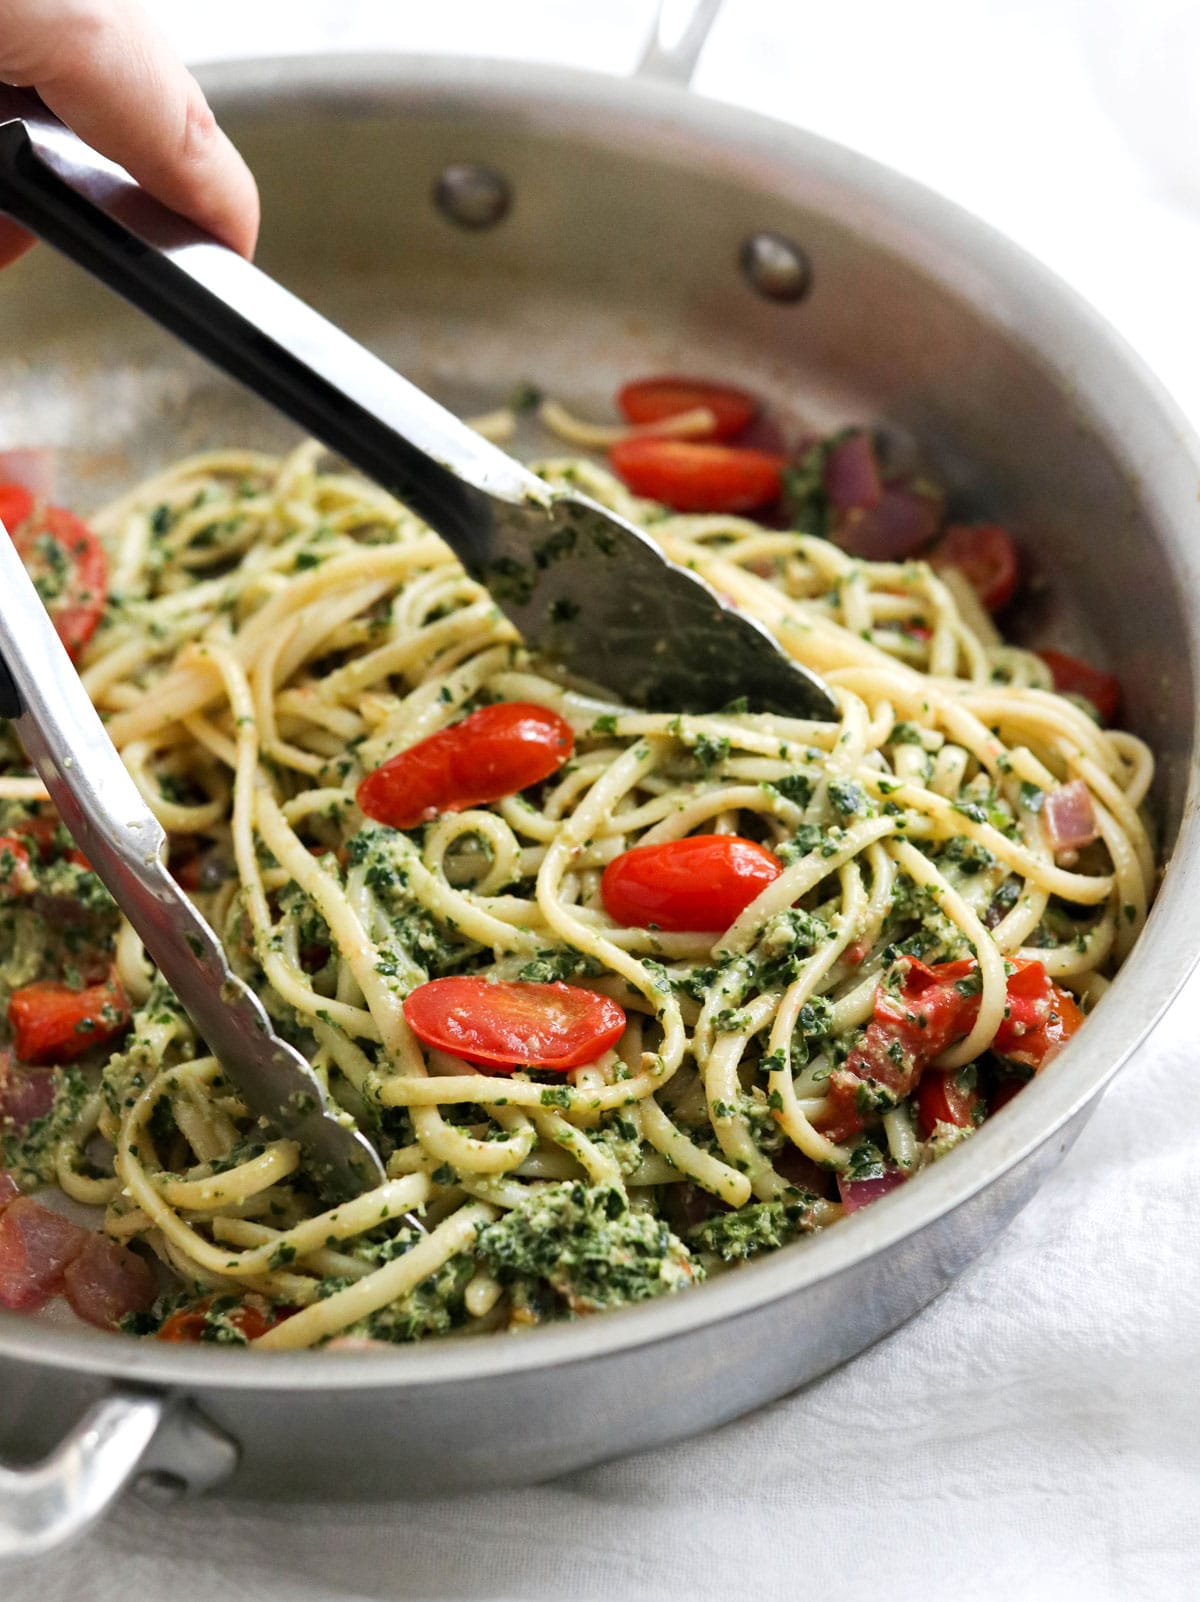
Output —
(623, 997)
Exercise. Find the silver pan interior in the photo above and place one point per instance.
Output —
(619, 257)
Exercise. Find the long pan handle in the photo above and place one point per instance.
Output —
(253, 329)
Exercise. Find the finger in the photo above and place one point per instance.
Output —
(111, 76)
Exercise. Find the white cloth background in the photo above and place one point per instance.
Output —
(1036, 1433)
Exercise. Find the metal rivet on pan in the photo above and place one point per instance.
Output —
(472, 195)
(775, 268)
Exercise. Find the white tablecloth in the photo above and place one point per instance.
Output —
(1036, 1433)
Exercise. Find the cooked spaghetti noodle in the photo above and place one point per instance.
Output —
(277, 630)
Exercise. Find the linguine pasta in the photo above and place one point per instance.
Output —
(277, 630)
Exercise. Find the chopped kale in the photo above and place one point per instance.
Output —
(435, 1307)
(968, 854)
(797, 787)
(848, 799)
(589, 1245)
(805, 502)
(710, 752)
(866, 1162)
(551, 965)
(761, 1227)
(525, 397)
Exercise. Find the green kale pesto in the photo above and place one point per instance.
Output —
(761, 1227)
(589, 1246)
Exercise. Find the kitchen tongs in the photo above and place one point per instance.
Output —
(582, 585)
(123, 841)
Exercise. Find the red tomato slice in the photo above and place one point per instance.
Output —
(653, 400)
(928, 1012)
(701, 882)
(1073, 677)
(492, 753)
(251, 1319)
(16, 503)
(942, 1100)
(67, 563)
(914, 1023)
(986, 555)
(1041, 1017)
(52, 1023)
(692, 477)
(504, 1026)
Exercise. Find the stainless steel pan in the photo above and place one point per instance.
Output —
(641, 229)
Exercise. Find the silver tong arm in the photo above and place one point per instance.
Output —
(108, 818)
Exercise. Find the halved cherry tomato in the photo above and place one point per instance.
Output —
(249, 1319)
(941, 1099)
(508, 1025)
(67, 563)
(16, 503)
(653, 400)
(986, 555)
(52, 1023)
(701, 882)
(1073, 677)
(492, 753)
(696, 477)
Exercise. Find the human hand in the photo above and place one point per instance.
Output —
(106, 70)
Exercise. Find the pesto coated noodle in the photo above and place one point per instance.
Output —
(277, 630)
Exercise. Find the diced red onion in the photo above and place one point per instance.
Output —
(851, 474)
(35, 466)
(857, 1193)
(903, 521)
(25, 1093)
(36, 1246)
(1069, 818)
(106, 1281)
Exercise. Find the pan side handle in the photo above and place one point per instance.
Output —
(170, 1448)
(680, 32)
